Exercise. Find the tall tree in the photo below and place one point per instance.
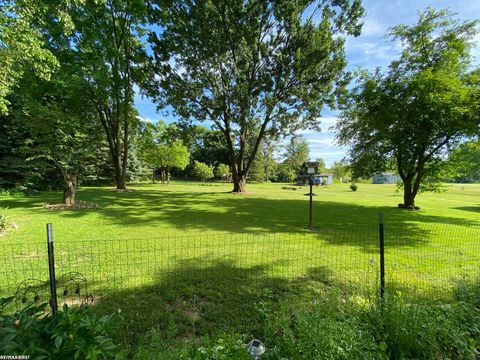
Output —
(107, 41)
(255, 64)
(423, 104)
(268, 149)
(296, 152)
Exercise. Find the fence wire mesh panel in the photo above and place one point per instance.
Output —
(432, 259)
(418, 258)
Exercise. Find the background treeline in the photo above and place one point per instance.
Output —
(71, 70)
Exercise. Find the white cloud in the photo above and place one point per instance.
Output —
(145, 119)
(371, 27)
(326, 122)
(327, 141)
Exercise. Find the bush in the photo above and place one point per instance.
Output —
(73, 333)
(222, 170)
(202, 171)
(354, 187)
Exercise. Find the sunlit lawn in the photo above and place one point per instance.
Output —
(191, 257)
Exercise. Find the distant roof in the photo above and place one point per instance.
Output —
(311, 164)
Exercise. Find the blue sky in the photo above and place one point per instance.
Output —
(369, 50)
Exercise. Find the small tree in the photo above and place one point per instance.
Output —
(166, 157)
(202, 171)
(59, 118)
(222, 171)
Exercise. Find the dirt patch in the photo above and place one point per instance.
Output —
(78, 205)
(241, 193)
(8, 229)
(122, 190)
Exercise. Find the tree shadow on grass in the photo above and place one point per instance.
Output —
(469, 208)
(336, 222)
(200, 212)
(193, 300)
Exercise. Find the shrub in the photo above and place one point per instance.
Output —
(202, 171)
(222, 170)
(73, 333)
(354, 187)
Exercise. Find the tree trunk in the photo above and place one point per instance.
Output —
(69, 189)
(408, 196)
(119, 178)
(239, 184)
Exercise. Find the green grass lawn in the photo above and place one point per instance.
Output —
(190, 257)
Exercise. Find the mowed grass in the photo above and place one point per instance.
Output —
(191, 257)
(153, 210)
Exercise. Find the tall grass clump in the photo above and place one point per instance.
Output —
(340, 327)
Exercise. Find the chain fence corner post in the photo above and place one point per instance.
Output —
(51, 269)
(382, 254)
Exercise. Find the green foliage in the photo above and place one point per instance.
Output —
(73, 333)
(339, 327)
(223, 346)
(209, 147)
(465, 161)
(174, 155)
(285, 174)
(296, 152)
(341, 171)
(321, 165)
(411, 115)
(202, 171)
(250, 67)
(354, 187)
(222, 170)
(419, 330)
(22, 48)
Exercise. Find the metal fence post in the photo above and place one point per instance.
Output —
(51, 269)
(311, 204)
(382, 255)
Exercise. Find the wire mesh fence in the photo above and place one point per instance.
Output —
(428, 258)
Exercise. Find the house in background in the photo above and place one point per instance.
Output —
(310, 169)
(386, 178)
